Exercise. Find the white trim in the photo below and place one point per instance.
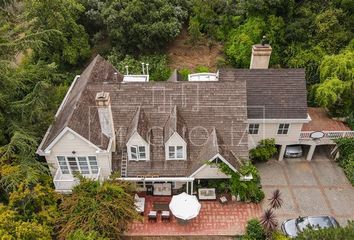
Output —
(67, 95)
(279, 120)
(216, 156)
(39, 149)
(61, 134)
(158, 179)
(175, 133)
(283, 134)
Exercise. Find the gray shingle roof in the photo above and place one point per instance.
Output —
(273, 93)
(205, 111)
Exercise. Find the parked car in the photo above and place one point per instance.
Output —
(293, 227)
(293, 151)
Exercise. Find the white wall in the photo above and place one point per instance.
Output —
(210, 172)
(70, 142)
(175, 140)
(270, 130)
(137, 140)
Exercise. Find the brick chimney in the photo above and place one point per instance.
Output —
(260, 55)
(103, 104)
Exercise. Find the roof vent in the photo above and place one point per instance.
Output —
(203, 77)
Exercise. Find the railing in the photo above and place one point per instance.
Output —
(329, 135)
(66, 182)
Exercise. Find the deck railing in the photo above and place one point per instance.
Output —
(66, 182)
(327, 134)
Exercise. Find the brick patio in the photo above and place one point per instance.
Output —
(213, 219)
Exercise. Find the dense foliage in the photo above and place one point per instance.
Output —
(340, 233)
(264, 150)
(346, 156)
(246, 190)
(105, 208)
(254, 231)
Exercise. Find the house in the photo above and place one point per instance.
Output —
(167, 132)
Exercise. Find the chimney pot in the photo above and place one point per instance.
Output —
(102, 99)
(260, 55)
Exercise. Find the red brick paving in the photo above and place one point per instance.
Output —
(213, 219)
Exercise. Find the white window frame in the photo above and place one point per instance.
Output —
(138, 153)
(253, 128)
(175, 157)
(93, 168)
(283, 129)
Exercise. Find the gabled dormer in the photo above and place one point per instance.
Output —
(175, 137)
(138, 147)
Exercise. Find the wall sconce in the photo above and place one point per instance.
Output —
(73, 152)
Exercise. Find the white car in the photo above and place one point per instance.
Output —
(294, 151)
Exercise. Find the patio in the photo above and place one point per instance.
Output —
(213, 219)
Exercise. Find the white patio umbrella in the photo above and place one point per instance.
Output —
(185, 206)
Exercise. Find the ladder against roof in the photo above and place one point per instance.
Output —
(124, 163)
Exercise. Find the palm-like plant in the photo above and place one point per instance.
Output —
(275, 201)
(269, 221)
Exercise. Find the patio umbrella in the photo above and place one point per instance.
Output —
(185, 206)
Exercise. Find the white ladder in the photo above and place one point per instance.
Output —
(124, 163)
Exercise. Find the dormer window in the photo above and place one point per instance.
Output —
(138, 153)
(176, 153)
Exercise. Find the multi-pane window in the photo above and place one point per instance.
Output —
(82, 165)
(175, 152)
(137, 153)
(283, 128)
(253, 128)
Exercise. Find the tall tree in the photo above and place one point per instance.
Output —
(71, 46)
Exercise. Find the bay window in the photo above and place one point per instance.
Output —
(83, 165)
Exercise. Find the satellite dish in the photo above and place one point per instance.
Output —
(317, 135)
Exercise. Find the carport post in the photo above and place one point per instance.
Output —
(310, 153)
(282, 152)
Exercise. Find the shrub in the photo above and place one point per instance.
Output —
(201, 69)
(264, 151)
(279, 236)
(246, 190)
(184, 73)
(340, 233)
(346, 156)
(254, 230)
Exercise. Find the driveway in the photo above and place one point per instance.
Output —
(318, 187)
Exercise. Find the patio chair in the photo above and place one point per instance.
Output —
(152, 216)
(139, 204)
(165, 216)
(223, 200)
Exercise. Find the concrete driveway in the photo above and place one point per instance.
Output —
(318, 187)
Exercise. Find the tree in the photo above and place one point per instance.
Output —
(194, 30)
(106, 208)
(239, 46)
(71, 46)
(143, 25)
(335, 92)
(346, 156)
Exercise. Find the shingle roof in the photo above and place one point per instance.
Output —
(205, 111)
(174, 123)
(139, 124)
(273, 93)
